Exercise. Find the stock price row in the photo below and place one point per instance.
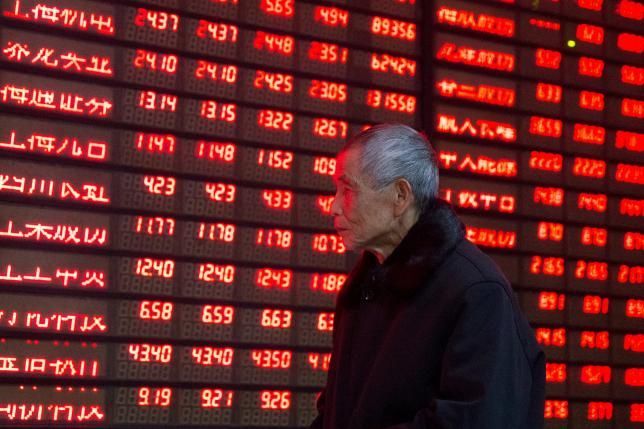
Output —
(221, 235)
(207, 75)
(150, 405)
(226, 40)
(282, 196)
(205, 276)
(173, 113)
(581, 26)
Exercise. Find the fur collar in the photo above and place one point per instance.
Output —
(422, 250)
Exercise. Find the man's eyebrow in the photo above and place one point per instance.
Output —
(346, 179)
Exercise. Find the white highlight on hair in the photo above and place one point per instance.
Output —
(393, 151)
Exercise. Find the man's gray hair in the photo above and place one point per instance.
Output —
(393, 151)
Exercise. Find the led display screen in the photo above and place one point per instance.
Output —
(537, 118)
(167, 252)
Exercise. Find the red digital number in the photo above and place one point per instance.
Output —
(213, 110)
(393, 28)
(275, 400)
(630, 43)
(281, 238)
(631, 207)
(632, 108)
(280, 319)
(555, 372)
(325, 322)
(590, 34)
(388, 63)
(633, 241)
(216, 72)
(552, 301)
(209, 272)
(594, 304)
(216, 398)
(156, 61)
(278, 199)
(151, 100)
(330, 128)
(548, 59)
(281, 8)
(632, 275)
(546, 161)
(592, 270)
(274, 278)
(213, 356)
(634, 342)
(330, 91)
(222, 192)
(217, 314)
(275, 120)
(215, 151)
(549, 93)
(154, 396)
(594, 236)
(284, 45)
(549, 266)
(278, 82)
(595, 374)
(550, 231)
(599, 411)
(328, 53)
(555, 409)
(273, 359)
(331, 16)
(594, 340)
(156, 143)
(329, 283)
(217, 232)
(630, 141)
(593, 168)
(328, 243)
(156, 19)
(592, 67)
(160, 185)
(632, 75)
(278, 159)
(589, 134)
(548, 196)
(553, 337)
(319, 361)
(629, 173)
(154, 225)
(150, 267)
(635, 308)
(155, 310)
(591, 100)
(217, 31)
(324, 165)
(547, 127)
(161, 353)
(324, 203)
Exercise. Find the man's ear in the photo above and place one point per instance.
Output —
(403, 196)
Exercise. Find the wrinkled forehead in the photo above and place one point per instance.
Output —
(348, 167)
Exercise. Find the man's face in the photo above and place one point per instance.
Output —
(362, 216)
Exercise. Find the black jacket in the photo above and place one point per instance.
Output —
(432, 338)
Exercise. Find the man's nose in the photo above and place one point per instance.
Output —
(335, 207)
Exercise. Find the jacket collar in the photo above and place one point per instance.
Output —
(436, 233)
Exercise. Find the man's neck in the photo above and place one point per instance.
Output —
(395, 236)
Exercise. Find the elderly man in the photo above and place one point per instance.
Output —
(428, 333)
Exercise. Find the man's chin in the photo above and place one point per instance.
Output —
(346, 240)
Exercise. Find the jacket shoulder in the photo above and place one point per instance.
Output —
(468, 265)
